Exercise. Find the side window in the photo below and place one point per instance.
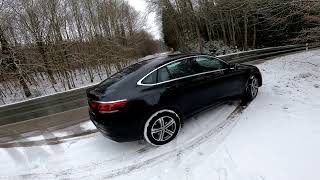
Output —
(182, 68)
(151, 79)
(163, 75)
(210, 64)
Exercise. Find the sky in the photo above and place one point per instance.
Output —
(153, 26)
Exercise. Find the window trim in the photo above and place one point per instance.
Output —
(139, 83)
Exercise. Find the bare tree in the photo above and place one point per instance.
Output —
(52, 44)
(8, 61)
(238, 23)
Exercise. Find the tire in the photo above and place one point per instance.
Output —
(252, 89)
(162, 127)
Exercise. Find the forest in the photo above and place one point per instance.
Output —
(49, 46)
(239, 24)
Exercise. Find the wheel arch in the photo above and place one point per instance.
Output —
(151, 118)
(258, 75)
(176, 110)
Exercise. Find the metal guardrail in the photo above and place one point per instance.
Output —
(73, 99)
(43, 106)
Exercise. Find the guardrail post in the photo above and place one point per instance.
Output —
(307, 46)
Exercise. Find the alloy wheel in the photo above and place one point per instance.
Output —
(163, 128)
(254, 87)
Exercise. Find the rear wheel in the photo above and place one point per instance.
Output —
(252, 89)
(162, 127)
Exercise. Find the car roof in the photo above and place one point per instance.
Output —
(159, 60)
(138, 70)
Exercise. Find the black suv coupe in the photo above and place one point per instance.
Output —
(150, 99)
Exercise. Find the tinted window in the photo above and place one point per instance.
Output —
(210, 64)
(163, 75)
(151, 79)
(182, 68)
(120, 75)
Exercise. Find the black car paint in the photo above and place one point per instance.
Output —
(186, 96)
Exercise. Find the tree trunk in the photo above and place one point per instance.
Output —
(199, 39)
(245, 31)
(7, 51)
(42, 52)
(254, 39)
(233, 31)
(223, 28)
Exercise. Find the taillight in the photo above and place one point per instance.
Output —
(108, 107)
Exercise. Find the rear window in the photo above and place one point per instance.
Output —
(151, 79)
(120, 75)
(158, 76)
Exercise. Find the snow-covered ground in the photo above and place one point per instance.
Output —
(276, 137)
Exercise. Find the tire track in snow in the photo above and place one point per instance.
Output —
(230, 120)
(136, 165)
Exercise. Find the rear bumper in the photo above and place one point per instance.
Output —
(117, 127)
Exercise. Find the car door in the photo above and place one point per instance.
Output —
(213, 79)
(237, 79)
(223, 81)
(182, 85)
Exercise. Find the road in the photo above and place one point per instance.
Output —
(45, 125)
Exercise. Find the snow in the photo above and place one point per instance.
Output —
(87, 125)
(96, 155)
(276, 137)
(61, 134)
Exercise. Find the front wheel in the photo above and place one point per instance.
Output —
(252, 89)
(162, 127)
